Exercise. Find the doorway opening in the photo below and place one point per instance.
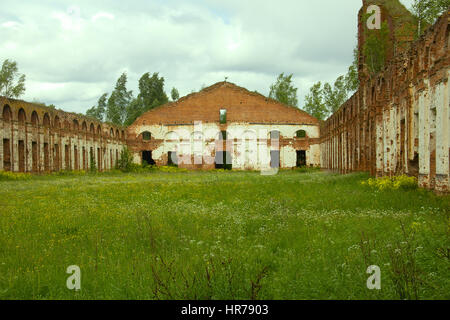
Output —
(301, 158)
(147, 158)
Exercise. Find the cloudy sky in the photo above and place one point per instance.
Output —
(74, 51)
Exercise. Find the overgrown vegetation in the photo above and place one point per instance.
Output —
(392, 183)
(220, 235)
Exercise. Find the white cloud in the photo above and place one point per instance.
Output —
(73, 54)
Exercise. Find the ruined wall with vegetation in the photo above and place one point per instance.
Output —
(38, 139)
(398, 121)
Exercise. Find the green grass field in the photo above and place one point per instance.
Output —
(236, 235)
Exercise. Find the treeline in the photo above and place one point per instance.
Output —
(122, 108)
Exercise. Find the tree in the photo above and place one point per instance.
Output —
(375, 48)
(283, 90)
(117, 105)
(175, 94)
(427, 11)
(12, 84)
(314, 103)
(151, 95)
(351, 78)
(334, 97)
(98, 111)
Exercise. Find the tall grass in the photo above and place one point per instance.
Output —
(220, 235)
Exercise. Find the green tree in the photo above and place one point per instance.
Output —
(314, 103)
(12, 84)
(375, 48)
(334, 97)
(98, 111)
(427, 11)
(117, 105)
(151, 95)
(351, 78)
(175, 94)
(284, 91)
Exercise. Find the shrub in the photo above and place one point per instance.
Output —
(125, 162)
(392, 183)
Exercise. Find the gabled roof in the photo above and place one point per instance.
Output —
(242, 106)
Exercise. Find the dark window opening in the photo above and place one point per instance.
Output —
(6, 155)
(67, 157)
(147, 158)
(46, 158)
(172, 159)
(223, 116)
(34, 156)
(301, 134)
(146, 136)
(301, 158)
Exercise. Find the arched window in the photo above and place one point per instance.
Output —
(99, 130)
(84, 126)
(111, 132)
(22, 117)
(146, 136)
(92, 129)
(46, 121)
(34, 119)
(301, 134)
(76, 126)
(6, 113)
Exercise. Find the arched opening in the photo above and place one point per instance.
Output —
(7, 116)
(146, 136)
(84, 126)
(300, 134)
(111, 133)
(92, 129)
(34, 119)
(99, 130)
(6, 113)
(123, 135)
(76, 125)
(46, 121)
(21, 117)
(117, 135)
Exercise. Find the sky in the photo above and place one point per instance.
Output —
(74, 51)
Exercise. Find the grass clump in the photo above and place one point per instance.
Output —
(392, 183)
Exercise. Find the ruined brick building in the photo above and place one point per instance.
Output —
(398, 121)
(226, 126)
(40, 139)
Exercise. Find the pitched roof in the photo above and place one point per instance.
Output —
(242, 106)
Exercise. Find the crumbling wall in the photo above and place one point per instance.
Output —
(398, 121)
(191, 128)
(39, 139)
